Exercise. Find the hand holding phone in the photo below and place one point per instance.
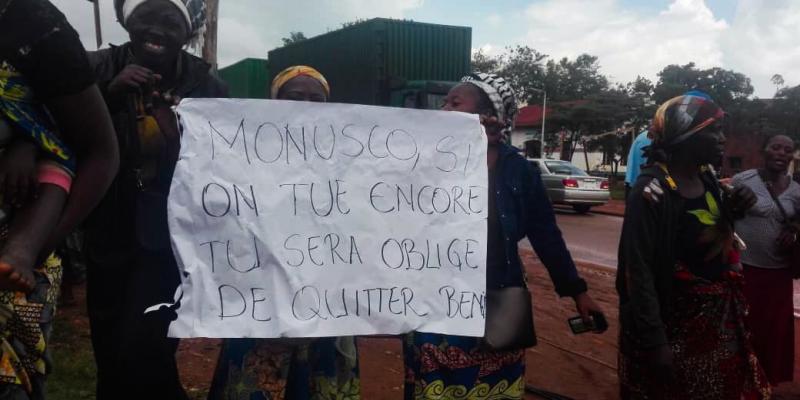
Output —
(597, 324)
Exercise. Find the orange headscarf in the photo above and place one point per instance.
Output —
(293, 72)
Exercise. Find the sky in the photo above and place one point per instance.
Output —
(630, 37)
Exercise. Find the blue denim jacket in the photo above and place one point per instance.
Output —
(524, 210)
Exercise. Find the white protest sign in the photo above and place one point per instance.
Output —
(296, 219)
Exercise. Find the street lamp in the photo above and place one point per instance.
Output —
(544, 116)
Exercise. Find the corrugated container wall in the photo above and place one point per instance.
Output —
(363, 61)
(247, 79)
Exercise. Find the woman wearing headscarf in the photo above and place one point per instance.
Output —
(129, 258)
(682, 308)
(319, 369)
(36, 172)
(56, 138)
(455, 367)
(767, 270)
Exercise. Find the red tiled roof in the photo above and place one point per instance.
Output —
(530, 116)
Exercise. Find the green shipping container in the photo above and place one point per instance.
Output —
(247, 79)
(366, 61)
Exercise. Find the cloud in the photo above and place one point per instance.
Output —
(759, 40)
(628, 43)
(80, 14)
(250, 28)
(763, 42)
(239, 41)
(488, 49)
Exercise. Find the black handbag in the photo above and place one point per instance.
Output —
(509, 319)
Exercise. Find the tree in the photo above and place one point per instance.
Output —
(580, 98)
(777, 116)
(597, 114)
(569, 80)
(353, 23)
(727, 88)
(523, 68)
(530, 72)
(641, 92)
(294, 37)
(482, 62)
(778, 81)
(640, 86)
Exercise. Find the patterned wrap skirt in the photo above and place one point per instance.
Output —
(278, 369)
(26, 321)
(441, 367)
(713, 356)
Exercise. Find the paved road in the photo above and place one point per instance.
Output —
(592, 237)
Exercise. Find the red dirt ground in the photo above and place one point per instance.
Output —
(581, 367)
(613, 207)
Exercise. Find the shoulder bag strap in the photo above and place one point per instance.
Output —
(776, 200)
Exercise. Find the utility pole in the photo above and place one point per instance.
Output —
(544, 117)
(210, 40)
(98, 30)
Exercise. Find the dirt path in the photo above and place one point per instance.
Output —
(581, 367)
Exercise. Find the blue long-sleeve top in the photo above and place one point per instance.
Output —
(524, 210)
(636, 158)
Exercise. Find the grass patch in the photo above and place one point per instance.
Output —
(74, 371)
(617, 190)
(618, 193)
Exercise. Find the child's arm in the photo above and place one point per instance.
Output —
(18, 172)
(86, 128)
(30, 228)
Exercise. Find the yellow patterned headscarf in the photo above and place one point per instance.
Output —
(293, 72)
(19, 105)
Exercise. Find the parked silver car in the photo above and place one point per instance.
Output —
(570, 185)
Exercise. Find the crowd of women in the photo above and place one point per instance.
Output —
(95, 133)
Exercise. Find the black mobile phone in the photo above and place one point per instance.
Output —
(597, 324)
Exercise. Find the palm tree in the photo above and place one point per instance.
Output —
(778, 81)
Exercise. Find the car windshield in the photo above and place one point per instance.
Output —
(564, 168)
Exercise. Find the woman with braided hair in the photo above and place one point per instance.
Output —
(130, 265)
(682, 308)
(456, 367)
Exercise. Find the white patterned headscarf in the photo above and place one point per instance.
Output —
(501, 95)
(193, 11)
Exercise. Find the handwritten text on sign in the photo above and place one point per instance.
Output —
(303, 220)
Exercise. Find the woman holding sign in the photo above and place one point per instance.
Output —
(446, 367)
(324, 368)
